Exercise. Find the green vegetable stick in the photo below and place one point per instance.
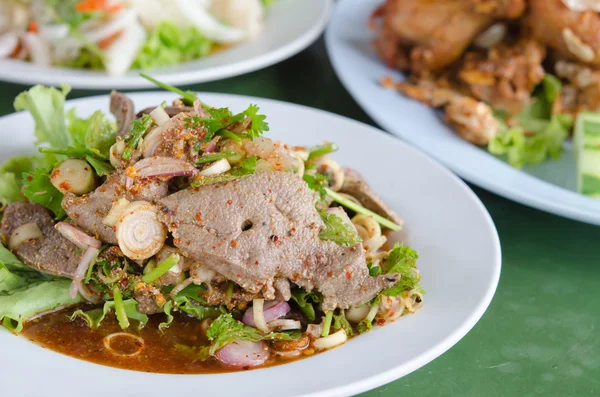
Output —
(120, 309)
(362, 210)
(327, 323)
(161, 269)
(214, 157)
(587, 151)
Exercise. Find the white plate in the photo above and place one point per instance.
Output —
(445, 222)
(290, 27)
(549, 186)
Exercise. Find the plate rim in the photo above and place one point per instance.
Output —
(525, 197)
(432, 351)
(101, 81)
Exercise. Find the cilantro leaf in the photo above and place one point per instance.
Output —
(305, 301)
(246, 167)
(258, 125)
(225, 330)
(338, 230)
(133, 138)
(95, 317)
(39, 189)
(373, 270)
(403, 260)
(318, 183)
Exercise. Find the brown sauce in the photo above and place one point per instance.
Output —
(157, 353)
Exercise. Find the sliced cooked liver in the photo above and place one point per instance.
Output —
(263, 227)
(52, 254)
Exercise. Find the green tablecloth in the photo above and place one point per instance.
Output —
(541, 334)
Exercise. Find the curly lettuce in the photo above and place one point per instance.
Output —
(25, 293)
(170, 44)
(537, 134)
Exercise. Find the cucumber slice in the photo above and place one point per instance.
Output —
(587, 151)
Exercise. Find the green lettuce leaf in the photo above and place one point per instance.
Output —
(403, 260)
(338, 230)
(96, 133)
(11, 178)
(46, 105)
(25, 293)
(537, 134)
(39, 189)
(95, 317)
(171, 43)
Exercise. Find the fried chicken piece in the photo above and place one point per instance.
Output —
(506, 75)
(427, 35)
(581, 93)
(573, 34)
(473, 120)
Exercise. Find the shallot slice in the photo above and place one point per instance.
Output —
(88, 257)
(25, 232)
(331, 341)
(163, 167)
(77, 236)
(8, 44)
(139, 232)
(272, 310)
(216, 168)
(284, 324)
(240, 354)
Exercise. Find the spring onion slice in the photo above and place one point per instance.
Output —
(214, 157)
(188, 97)
(161, 269)
(327, 323)
(362, 210)
(228, 134)
(120, 309)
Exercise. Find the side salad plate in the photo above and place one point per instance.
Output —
(106, 44)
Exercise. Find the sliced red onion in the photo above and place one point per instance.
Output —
(163, 167)
(116, 24)
(284, 324)
(77, 236)
(272, 310)
(8, 44)
(86, 260)
(38, 49)
(129, 182)
(211, 146)
(240, 354)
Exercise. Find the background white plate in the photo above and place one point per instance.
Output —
(445, 222)
(290, 27)
(549, 186)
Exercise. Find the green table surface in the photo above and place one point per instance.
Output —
(541, 333)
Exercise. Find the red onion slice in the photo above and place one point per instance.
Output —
(163, 167)
(240, 354)
(86, 260)
(272, 310)
(77, 236)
